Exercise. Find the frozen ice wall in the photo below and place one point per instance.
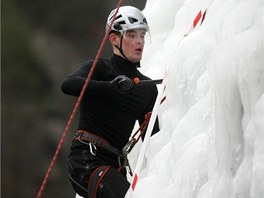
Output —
(211, 143)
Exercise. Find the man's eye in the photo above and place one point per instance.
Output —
(143, 35)
(132, 35)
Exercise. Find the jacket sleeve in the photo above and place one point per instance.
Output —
(98, 84)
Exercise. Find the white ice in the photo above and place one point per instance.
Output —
(211, 143)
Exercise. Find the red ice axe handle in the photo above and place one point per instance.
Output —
(147, 82)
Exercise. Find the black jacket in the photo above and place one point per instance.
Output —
(107, 112)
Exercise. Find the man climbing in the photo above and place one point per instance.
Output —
(111, 105)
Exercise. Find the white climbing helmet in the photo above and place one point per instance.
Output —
(127, 18)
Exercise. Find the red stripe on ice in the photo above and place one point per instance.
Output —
(197, 18)
(133, 185)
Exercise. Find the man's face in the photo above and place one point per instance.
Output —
(133, 44)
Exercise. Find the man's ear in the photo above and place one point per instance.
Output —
(114, 39)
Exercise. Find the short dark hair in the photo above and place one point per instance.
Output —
(114, 32)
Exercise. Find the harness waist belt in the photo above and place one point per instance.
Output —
(98, 141)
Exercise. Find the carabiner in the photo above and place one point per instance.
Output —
(92, 148)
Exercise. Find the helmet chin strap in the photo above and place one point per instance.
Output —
(121, 50)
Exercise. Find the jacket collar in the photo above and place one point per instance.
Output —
(124, 63)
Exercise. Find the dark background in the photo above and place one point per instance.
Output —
(41, 43)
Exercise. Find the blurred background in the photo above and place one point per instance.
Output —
(41, 43)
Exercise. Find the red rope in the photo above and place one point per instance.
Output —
(53, 161)
(142, 129)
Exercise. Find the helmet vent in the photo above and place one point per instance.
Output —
(122, 22)
(119, 16)
(117, 26)
(132, 20)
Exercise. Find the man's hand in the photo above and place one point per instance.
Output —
(122, 83)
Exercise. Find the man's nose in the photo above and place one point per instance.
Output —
(140, 39)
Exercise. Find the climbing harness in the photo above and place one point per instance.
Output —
(94, 141)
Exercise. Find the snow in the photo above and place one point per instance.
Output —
(212, 131)
(212, 123)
